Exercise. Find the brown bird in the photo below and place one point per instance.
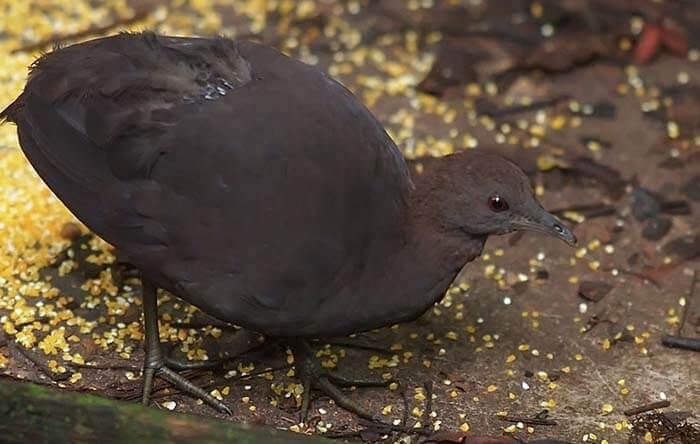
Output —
(258, 189)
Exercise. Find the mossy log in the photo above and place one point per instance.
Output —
(34, 414)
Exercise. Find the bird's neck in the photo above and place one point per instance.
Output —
(443, 249)
(424, 262)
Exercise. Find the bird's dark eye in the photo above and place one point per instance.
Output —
(497, 203)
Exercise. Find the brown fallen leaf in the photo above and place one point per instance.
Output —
(463, 60)
(608, 176)
(593, 291)
(674, 37)
(681, 249)
(88, 348)
(684, 248)
(567, 50)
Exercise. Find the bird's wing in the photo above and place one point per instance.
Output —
(215, 164)
(94, 116)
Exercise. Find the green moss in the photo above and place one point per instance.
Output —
(30, 413)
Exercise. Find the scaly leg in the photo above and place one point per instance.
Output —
(155, 364)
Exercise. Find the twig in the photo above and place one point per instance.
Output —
(428, 385)
(692, 344)
(343, 435)
(58, 39)
(404, 418)
(357, 346)
(379, 428)
(686, 308)
(675, 207)
(647, 407)
(678, 340)
(39, 363)
(529, 421)
(590, 211)
(261, 372)
(129, 367)
(196, 325)
(596, 319)
(517, 109)
(641, 276)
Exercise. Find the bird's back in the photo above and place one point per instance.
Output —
(249, 183)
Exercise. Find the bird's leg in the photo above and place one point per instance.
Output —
(313, 375)
(155, 364)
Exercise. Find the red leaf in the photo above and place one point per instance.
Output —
(675, 41)
(648, 44)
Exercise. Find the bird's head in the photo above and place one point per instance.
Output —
(485, 193)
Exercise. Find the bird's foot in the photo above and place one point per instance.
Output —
(313, 375)
(182, 364)
(156, 364)
(165, 368)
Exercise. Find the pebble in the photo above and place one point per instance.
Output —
(645, 205)
(656, 228)
(593, 291)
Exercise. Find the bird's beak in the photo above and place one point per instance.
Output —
(547, 224)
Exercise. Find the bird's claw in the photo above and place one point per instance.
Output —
(313, 375)
(164, 370)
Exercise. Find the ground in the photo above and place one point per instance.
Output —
(598, 102)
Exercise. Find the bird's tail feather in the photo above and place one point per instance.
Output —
(70, 164)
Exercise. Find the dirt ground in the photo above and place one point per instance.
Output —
(598, 101)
